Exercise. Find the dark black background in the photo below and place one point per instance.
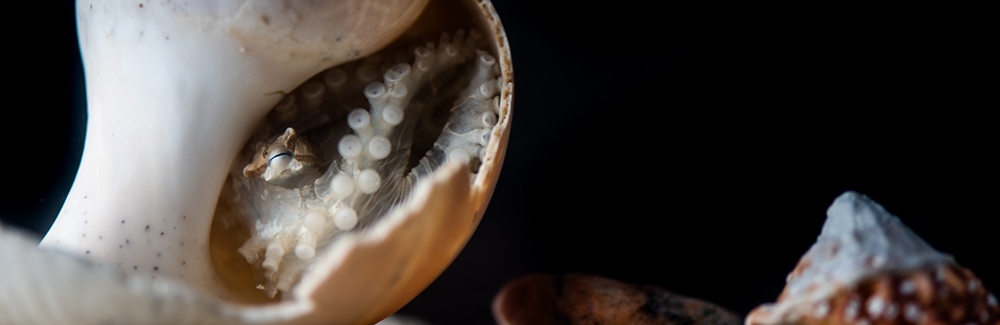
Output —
(692, 148)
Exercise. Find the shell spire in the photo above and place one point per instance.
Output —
(868, 268)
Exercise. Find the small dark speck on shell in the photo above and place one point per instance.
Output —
(135, 267)
(156, 268)
(147, 227)
(161, 233)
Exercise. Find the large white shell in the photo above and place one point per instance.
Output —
(147, 164)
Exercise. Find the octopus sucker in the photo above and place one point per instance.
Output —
(326, 167)
(868, 268)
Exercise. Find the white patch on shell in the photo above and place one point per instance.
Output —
(991, 300)
(912, 313)
(875, 306)
(891, 311)
(851, 310)
(822, 309)
(907, 287)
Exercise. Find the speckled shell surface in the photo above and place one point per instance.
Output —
(867, 267)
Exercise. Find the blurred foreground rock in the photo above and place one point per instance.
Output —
(578, 299)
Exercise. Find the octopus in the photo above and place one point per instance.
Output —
(335, 166)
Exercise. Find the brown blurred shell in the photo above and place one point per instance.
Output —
(587, 299)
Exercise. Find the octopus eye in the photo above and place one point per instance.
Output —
(280, 161)
(280, 158)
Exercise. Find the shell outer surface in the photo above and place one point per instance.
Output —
(867, 267)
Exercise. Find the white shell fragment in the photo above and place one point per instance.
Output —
(866, 267)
